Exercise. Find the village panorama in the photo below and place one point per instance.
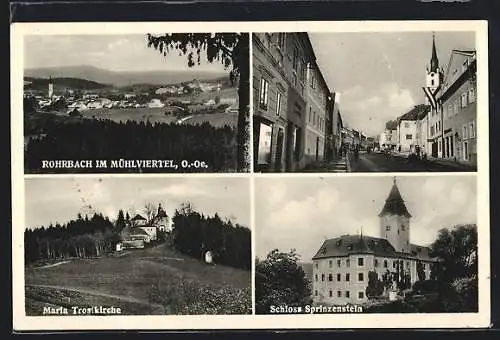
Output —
(91, 111)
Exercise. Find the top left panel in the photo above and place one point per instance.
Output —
(135, 103)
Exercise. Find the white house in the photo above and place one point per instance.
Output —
(155, 103)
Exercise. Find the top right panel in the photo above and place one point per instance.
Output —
(366, 101)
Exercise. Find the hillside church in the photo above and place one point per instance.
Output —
(342, 264)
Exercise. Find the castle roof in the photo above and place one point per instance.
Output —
(161, 213)
(358, 244)
(394, 204)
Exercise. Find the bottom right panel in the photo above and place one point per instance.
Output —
(370, 244)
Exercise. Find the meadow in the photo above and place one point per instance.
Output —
(148, 281)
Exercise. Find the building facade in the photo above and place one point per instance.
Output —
(280, 88)
(457, 101)
(342, 265)
(409, 127)
(317, 97)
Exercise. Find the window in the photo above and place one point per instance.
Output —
(464, 132)
(409, 137)
(347, 277)
(347, 263)
(432, 130)
(339, 293)
(264, 150)
(316, 265)
(385, 263)
(387, 228)
(310, 113)
(403, 228)
(347, 294)
(264, 93)
(316, 277)
(278, 103)
(455, 108)
(375, 262)
(330, 277)
(330, 263)
(339, 278)
(361, 295)
(361, 277)
(338, 263)
(295, 60)
(463, 100)
(361, 261)
(407, 264)
(322, 277)
(330, 293)
(393, 264)
(472, 97)
(407, 125)
(315, 293)
(472, 131)
(281, 41)
(464, 65)
(450, 110)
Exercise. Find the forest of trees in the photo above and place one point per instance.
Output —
(81, 237)
(194, 234)
(108, 140)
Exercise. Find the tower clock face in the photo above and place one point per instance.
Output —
(432, 74)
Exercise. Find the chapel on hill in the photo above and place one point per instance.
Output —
(341, 265)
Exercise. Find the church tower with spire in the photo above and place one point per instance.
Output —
(51, 88)
(395, 221)
(434, 74)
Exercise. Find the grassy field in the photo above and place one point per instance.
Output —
(149, 281)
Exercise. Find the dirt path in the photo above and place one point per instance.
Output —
(154, 306)
(52, 265)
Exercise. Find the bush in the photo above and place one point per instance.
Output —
(426, 286)
(188, 297)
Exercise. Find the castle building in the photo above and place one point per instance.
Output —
(341, 266)
(140, 231)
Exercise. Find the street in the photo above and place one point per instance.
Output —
(378, 162)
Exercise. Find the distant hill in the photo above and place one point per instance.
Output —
(62, 83)
(125, 78)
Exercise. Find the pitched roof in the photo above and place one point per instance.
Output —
(161, 213)
(356, 244)
(394, 204)
(416, 113)
(138, 217)
(434, 64)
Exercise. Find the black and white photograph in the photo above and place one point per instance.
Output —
(164, 103)
(365, 101)
(327, 245)
(137, 246)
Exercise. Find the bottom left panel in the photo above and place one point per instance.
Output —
(137, 246)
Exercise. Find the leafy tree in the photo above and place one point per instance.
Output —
(279, 280)
(375, 286)
(457, 251)
(231, 50)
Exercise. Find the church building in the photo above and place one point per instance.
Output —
(341, 265)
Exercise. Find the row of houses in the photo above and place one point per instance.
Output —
(445, 126)
(297, 119)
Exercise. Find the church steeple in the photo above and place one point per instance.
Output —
(434, 65)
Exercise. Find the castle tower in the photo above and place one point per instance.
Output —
(434, 74)
(162, 219)
(51, 88)
(395, 221)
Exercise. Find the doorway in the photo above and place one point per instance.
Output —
(279, 149)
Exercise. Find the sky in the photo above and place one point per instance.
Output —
(51, 200)
(380, 75)
(110, 52)
(300, 215)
